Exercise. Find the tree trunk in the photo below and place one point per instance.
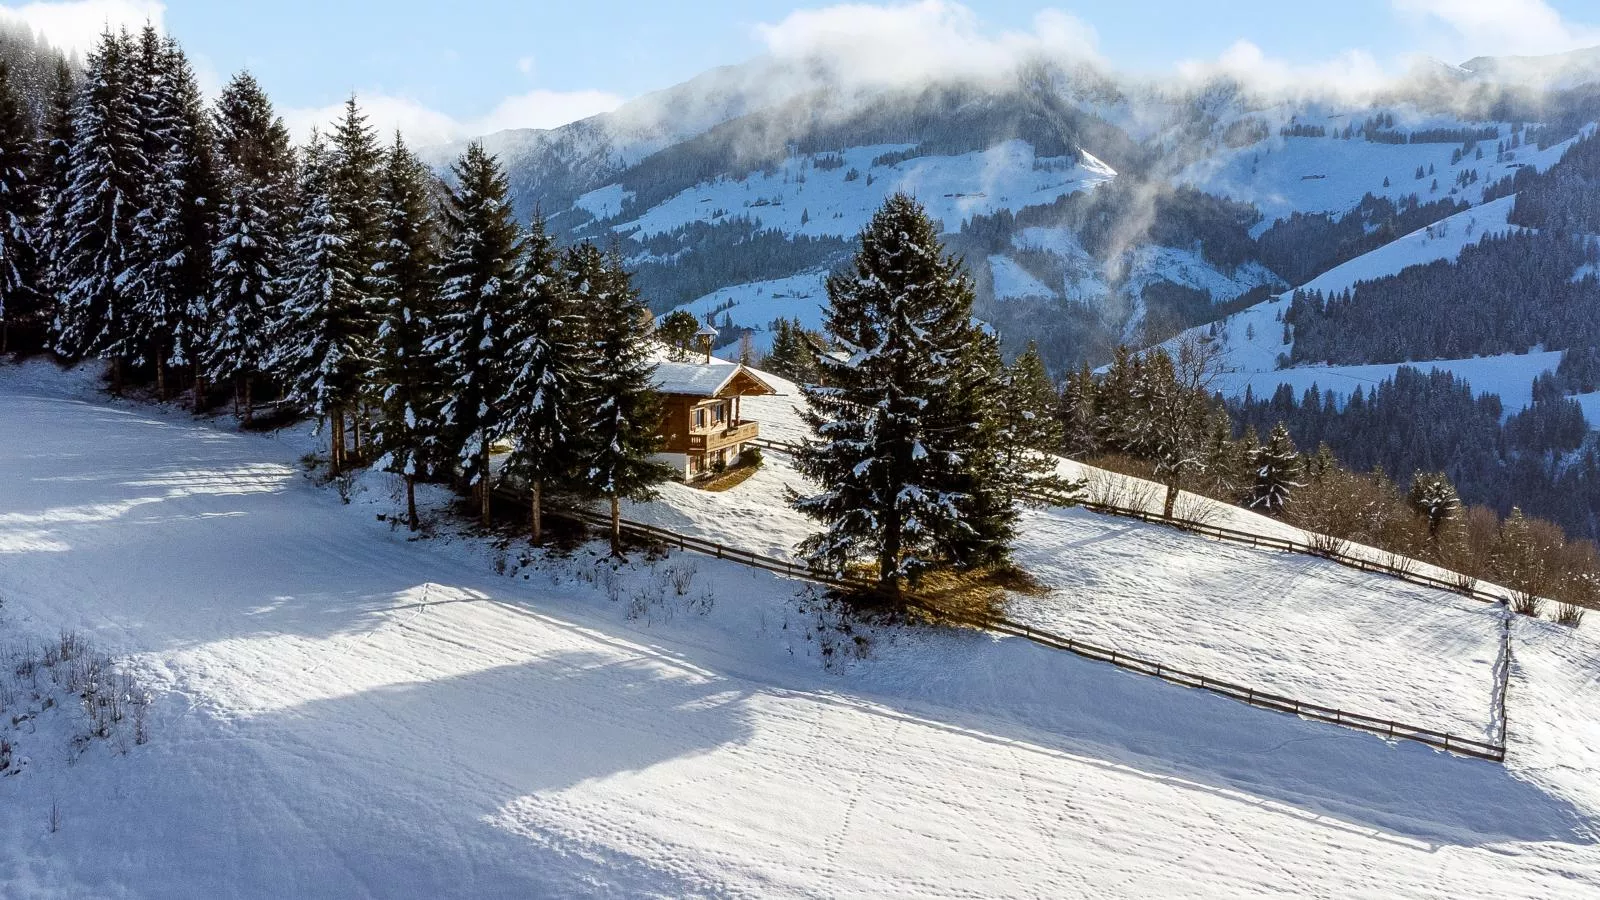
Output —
(116, 375)
(249, 401)
(336, 441)
(889, 559)
(5, 336)
(1172, 500)
(535, 513)
(411, 502)
(616, 526)
(486, 495)
(199, 387)
(161, 378)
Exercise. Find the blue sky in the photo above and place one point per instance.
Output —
(443, 69)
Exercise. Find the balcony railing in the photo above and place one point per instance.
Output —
(719, 436)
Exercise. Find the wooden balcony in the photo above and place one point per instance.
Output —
(723, 436)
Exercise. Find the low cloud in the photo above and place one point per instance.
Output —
(910, 42)
(422, 125)
(76, 25)
(1353, 73)
(1501, 27)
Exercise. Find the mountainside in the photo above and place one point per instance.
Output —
(1094, 210)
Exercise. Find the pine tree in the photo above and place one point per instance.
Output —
(677, 332)
(171, 279)
(19, 215)
(250, 261)
(546, 403)
(355, 166)
(52, 175)
(623, 410)
(320, 343)
(410, 376)
(479, 297)
(1276, 463)
(1434, 498)
(1030, 402)
(905, 446)
(107, 176)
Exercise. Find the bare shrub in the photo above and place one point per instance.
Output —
(703, 602)
(1569, 614)
(682, 575)
(1195, 509)
(610, 581)
(1526, 604)
(1120, 490)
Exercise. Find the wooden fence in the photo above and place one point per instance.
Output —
(1386, 728)
(1464, 585)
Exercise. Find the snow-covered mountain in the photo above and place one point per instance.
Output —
(1093, 209)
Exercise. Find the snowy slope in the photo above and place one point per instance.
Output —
(757, 304)
(1311, 175)
(389, 718)
(1253, 338)
(800, 198)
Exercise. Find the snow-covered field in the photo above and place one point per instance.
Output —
(341, 712)
(800, 198)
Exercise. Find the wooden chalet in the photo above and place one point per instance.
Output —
(701, 426)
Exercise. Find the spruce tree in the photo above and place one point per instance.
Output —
(249, 263)
(545, 406)
(355, 170)
(1434, 498)
(907, 442)
(1277, 465)
(52, 175)
(320, 343)
(479, 297)
(409, 375)
(171, 281)
(1030, 402)
(623, 410)
(107, 177)
(677, 333)
(19, 215)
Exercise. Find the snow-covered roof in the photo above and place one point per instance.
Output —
(699, 379)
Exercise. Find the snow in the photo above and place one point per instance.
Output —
(698, 379)
(952, 188)
(605, 202)
(1444, 239)
(1011, 280)
(1311, 175)
(757, 304)
(1253, 338)
(341, 711)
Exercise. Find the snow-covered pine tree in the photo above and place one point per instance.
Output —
(622, 411)
(107, 176)
(171, 281)
(320, 346)
(356, 171)
(19, 215)
(1277, 466)
(52, 174)
(545, 404)
(1077, 414)
(1434, 498)
(409, 377)
(248, 264)
(676, 332)
(904, 445)
(478, 302)
(1031, 402)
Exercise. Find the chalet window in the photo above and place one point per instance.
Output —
(699, 418)
(719, 413)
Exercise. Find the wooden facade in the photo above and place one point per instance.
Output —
(702, 427)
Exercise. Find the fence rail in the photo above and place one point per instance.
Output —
(1387, 728)
(1464, 585)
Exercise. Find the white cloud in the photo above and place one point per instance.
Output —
(1500, 27)
(525, 65)
(423, 125)
(1352, 73)
(76, 25)
(912, 41)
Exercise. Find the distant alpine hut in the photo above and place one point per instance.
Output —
(701, 427)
